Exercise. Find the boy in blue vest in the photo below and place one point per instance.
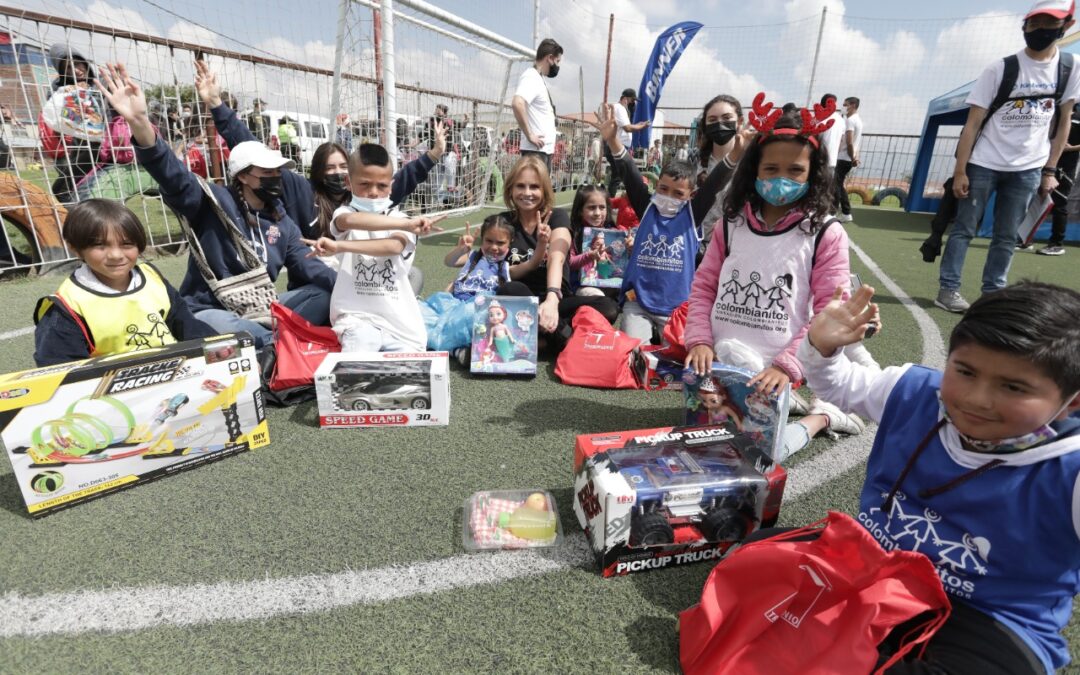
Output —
(975, 467)
(662, 263)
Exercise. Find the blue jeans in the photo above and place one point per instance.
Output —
(1014, 191)
(310, 302)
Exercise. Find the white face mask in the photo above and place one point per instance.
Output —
(667, 206)
(365, 205)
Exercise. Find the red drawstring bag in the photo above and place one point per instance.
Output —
(300, 348)
(819, 606)
(596, 355)
(672, 338)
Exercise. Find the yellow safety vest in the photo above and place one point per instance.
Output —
(117, 323)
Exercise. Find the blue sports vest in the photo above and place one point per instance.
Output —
(1004, 541)
(479, 277)
(661, 267)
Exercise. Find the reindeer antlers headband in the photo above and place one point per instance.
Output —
(764, 116)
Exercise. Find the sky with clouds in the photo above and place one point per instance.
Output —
(893, 60)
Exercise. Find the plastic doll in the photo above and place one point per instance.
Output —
(524, 320)
(716, 401)
(500, 339)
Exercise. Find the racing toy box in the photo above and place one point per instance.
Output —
(383, 389)
(671, 496)
(79, 430)
(504, 338)
(722, 397)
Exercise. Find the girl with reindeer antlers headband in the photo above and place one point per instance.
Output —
(776, 250)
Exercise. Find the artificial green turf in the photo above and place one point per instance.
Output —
(323, 501)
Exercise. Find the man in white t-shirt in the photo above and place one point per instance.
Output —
(1014, 153)
(532, 104)
(624, 110)
(830, 140)
(847, 157)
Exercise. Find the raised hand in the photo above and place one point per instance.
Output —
(746, 135)
(467, 239)
(422, 225)
(543, 233)
(844, 323)
(123, 94)
(207, 85)
(605, 123)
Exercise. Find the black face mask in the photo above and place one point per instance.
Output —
(1041, 38)
(334, 183)
(269, 188)
(553, 70)
(630, 108)
(720, 132)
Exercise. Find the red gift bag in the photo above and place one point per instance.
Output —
(300, 348)
(672, 338)
(820, 606)
(597, 355)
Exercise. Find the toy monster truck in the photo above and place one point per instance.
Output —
(711, 486)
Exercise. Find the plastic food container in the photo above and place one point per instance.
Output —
(510, 519)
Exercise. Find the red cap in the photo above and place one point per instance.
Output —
(1059, 9)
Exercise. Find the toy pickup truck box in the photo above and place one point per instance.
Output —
(671, 496)
(83, 429)
(379, 389)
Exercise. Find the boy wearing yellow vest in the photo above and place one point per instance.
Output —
(112, 303)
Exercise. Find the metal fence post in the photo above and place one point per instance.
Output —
(817, 52)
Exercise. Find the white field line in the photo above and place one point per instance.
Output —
(18, 332)
(127, 609)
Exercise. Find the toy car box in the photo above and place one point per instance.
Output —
(510, 519)
(611, 257)
(80, 430)
(723, 398)
(666, 497)
(505, 335)
(655, 372)
(380, 389)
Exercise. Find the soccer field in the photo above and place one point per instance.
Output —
(340, 550)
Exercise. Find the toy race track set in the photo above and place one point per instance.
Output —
(671, 496)
(378, 389)
(83, 429)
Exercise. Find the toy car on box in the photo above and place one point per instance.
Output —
(722, 397)
(83, 429)
(510, 519)
(505, 335)
(671, 496)
(371, 389)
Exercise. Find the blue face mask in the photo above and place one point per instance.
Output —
(781, 191)
(366, 205)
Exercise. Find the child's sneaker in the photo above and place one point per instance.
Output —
(462, 355)
(1051, 250)
(797, 405)
(839, 422)
(950, 300)
(845, 218)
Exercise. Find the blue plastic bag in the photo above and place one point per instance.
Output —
(448, 321)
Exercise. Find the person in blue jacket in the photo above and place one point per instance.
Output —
(253, 202)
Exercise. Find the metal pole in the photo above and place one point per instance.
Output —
(536, 22)
(607, 65)
(339, 54)
(468, 26)
(817, 51)
(376, 29)
(581, 91)
(493, 158)
(388, 78)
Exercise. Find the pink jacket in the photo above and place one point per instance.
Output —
(831, 269)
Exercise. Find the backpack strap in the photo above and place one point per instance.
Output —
(819, 236)
(727, 241)
(1065, 68)
(49, 301)
(1009, 76)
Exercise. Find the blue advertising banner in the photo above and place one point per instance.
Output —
(665, 54)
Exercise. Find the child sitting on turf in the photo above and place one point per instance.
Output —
(661, 267)
(775, 252)
(449, 316)
(112, 303)
(372, 307)
(976, 467)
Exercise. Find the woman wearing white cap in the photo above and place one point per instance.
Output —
(251, 203)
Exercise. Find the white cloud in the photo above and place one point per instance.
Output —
(967, 47)
(183, 31)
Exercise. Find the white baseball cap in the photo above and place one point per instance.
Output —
(1059, 9)
(254, 153)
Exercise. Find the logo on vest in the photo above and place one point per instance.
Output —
(752, 304)
(794, 608)
(660, 255)
(956, 554)
(373, 278)
(142, 337)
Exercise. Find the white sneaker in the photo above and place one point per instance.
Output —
(797, 405)
(845, 217)
(839, 421)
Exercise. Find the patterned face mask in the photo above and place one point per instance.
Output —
(781, 191)
(1040, 435)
